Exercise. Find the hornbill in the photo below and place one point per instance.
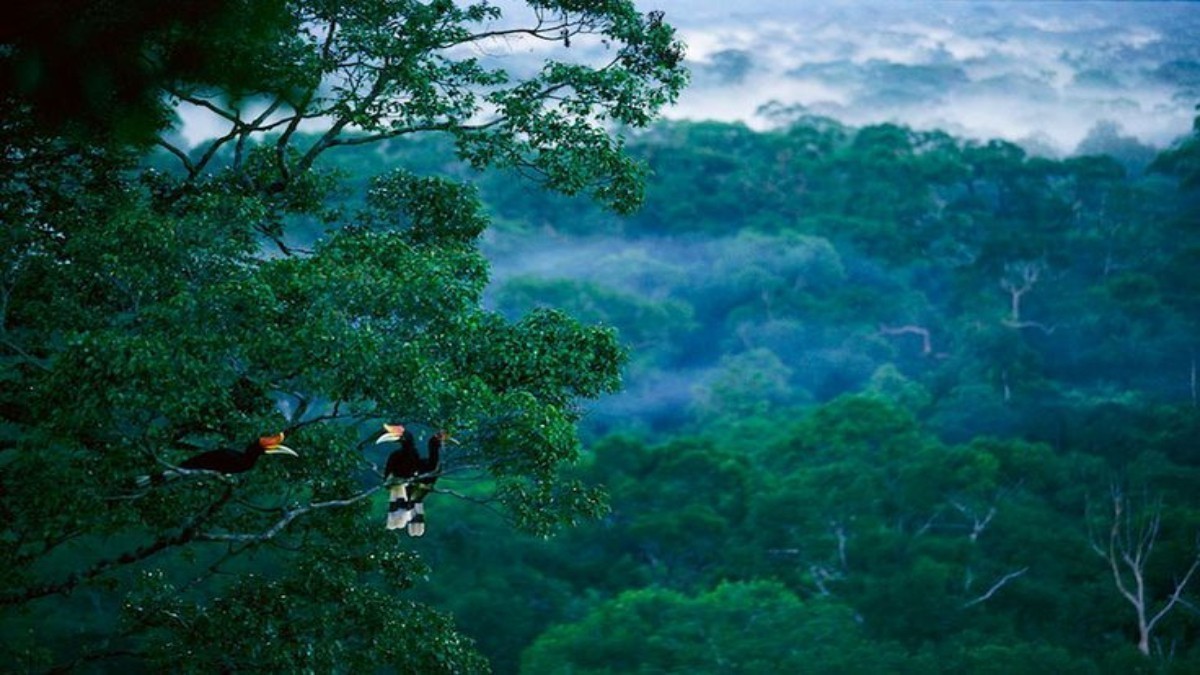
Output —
(406, 507)
(403, 463)
(225, 460)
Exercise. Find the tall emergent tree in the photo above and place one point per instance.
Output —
(147, 315)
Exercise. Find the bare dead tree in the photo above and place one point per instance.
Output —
(1028, 274)
(1019, 279)
(1131, 540)
(979, 522)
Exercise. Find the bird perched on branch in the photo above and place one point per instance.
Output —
(406, 507)
(403, 463)
(428, 475)
(225, 460)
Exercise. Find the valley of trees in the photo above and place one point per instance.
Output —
(896, 402)
(832, 400)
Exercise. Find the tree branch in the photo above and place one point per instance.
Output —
(926, 346)
(1114, 559)
(203, 103)
(1175, 596)
(255, 125)
(281, 145)
(189, 532)
(978, 525)
(183, 158)
(402, 131)
(1048, 330)
(996, 587)
(288, 515)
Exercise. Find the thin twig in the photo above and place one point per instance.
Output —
(996, 587)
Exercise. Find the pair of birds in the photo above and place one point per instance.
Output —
(406, 499)
(406, 506)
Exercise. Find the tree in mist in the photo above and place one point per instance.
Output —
(746, 384)
(647, 326)
(1183, 159)
(1105, 139)
(150, 314)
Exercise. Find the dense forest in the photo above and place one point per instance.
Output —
(896, 402)
(819, 398)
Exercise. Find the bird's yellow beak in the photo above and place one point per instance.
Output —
(274, 445)
(392, 432)
(280, 450)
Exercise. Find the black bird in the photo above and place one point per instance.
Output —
(225, 460)
(406, 506)
(429, 467)
(403, 463)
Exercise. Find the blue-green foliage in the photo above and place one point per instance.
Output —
(884, 382)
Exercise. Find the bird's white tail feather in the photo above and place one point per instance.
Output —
(416, 526)
(400, 510)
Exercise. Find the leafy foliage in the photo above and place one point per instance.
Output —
(152, 313)
(897, 402)
(742, 628)
(904, 377)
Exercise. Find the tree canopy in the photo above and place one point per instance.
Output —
(894, 401)
(939, 384)
(155, 306)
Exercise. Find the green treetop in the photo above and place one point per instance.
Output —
(150, 315)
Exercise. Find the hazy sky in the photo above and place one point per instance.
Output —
(1043, 73)
(1016, 70)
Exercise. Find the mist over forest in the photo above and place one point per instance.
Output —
(1047, 75)
(873, 349)
(883, 277)
(894, 375)
(857, 354)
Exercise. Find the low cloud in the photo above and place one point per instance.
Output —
(980, 69)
